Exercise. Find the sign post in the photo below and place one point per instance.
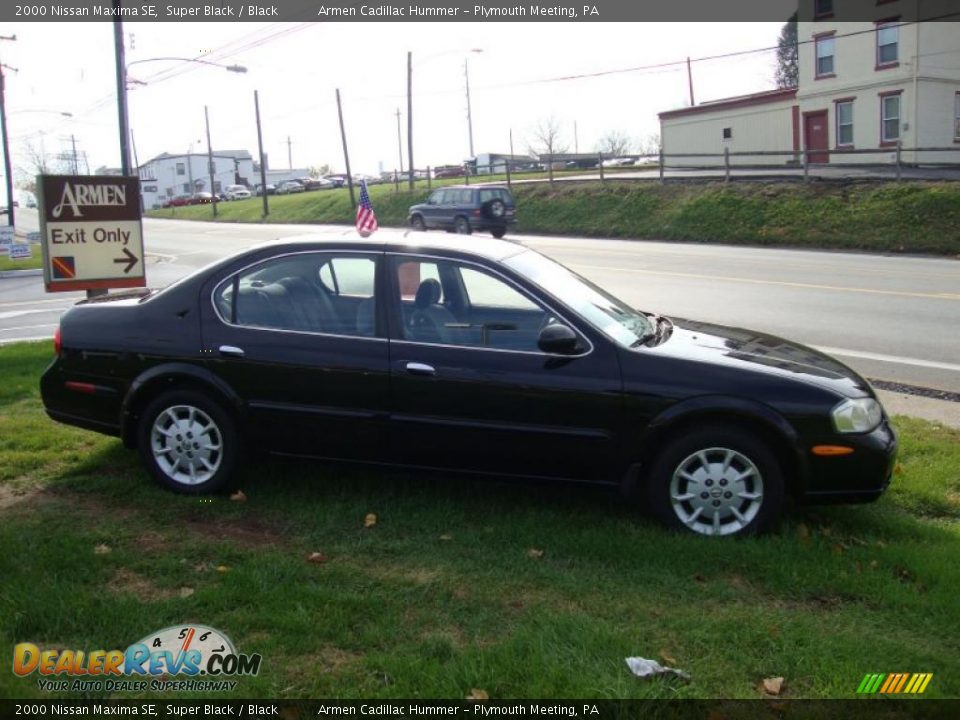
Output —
(91, 232)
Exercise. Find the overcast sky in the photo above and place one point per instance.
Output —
(297, 67)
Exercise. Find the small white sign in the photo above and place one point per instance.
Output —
(6, 234)
(19, 251)
(33, 237)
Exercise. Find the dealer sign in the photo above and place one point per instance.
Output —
(91, 232)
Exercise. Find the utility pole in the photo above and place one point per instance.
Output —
(6, 141)
(74, 165)
(466, 77)
(399, 144)
(690, 81)
(576, 142)
(289, 153)
(190, 168)
(213, 188)
(136, 160)
(263, 164)
(346, 155)
(121, 63)
(410, 114)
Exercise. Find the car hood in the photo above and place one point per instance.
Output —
(755, 351)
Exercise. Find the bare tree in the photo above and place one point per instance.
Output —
(36, 162)
(650, 145)
(615, 143)
(546, 138)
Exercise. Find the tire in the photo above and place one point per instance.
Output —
(417, 223)
(498, 232)
(494, 209)
(716, 481)
(208, 464)
(461, 226)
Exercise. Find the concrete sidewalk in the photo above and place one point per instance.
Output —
(942, 412)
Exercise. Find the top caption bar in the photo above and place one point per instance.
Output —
(491, 12)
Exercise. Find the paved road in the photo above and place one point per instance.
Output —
(893, 318)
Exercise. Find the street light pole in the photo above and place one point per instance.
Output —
(466, 77)
(213, 190)
(6, 149)
(410, 114)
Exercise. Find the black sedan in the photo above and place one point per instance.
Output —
(488, 358)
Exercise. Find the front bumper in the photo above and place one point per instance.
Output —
(859, 477)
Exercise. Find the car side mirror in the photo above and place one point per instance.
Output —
(558, 339)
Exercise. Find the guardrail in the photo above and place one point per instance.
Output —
(801, 160)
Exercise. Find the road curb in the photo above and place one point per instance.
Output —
(20, 273)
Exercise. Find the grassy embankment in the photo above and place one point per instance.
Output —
(444, 594)
(31, 263)
(882, 217)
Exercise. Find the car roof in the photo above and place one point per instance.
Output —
(393, 240)
(475, 186)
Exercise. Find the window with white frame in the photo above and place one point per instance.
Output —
(956, 116)
(890, 118)
(825, 50)
(845, 123)
(888, 44)
(181, 169)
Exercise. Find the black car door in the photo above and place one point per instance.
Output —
(296, 337)
(470, 389)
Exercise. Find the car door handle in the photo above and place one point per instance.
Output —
(415, 368)
(231, 350)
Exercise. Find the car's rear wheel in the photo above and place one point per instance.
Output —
(417, 223)
(716, 481)
(462, 226)
(188, 442)
(498, 232)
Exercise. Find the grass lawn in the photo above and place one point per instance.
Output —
(443, 594)
(31, 263)
(917, 217)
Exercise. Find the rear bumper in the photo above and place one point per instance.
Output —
(859, 477)
(95, 406)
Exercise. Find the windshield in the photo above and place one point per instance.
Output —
(613, 317)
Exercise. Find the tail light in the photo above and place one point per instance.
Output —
(56, 342)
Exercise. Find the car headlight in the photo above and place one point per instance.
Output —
(856, 415)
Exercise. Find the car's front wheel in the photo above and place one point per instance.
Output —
(716, 481)
(188, 442)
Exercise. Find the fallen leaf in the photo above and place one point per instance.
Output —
(477, 694)
(880, 543)
(773, 686)
(370, 520)
(667, 658)
(222, 569)
(446, 537)
(803, 531)
(898, 469)
(317, 557)
(873, 564)
(186, 592)
(534, 553)
(239, 496)
(201, 567)
(101, 550)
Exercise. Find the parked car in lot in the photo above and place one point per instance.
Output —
(178, 201)
(236, 192)
(289, 187)
(484, 357)
(465, 208)
(271, 189)
(310, 183)
(337, 180)
(201, 198)
(448, 172)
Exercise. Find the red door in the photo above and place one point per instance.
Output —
(815, 136)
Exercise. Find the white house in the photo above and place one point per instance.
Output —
(865, 85)
(167, 175)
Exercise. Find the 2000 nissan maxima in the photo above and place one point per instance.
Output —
(479, 357)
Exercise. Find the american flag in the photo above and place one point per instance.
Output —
(366, 219)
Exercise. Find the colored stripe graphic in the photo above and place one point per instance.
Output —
(64, 267)
(894, 683)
